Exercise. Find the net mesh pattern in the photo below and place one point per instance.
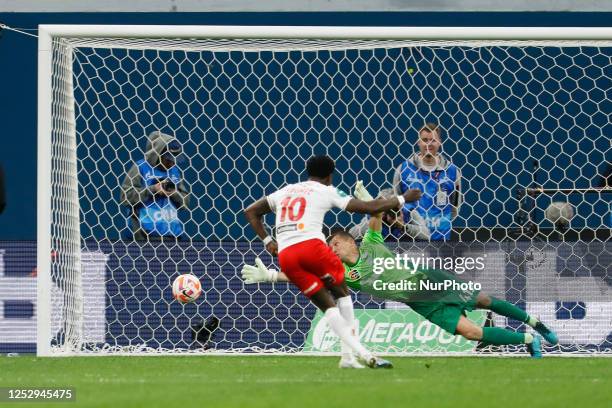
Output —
(248, 113)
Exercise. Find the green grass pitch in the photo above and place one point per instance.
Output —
(308, 381)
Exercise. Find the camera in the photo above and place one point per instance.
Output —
(168, 185)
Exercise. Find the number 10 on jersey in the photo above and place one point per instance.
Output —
(292, 208)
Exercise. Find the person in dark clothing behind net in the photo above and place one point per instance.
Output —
(155, 191)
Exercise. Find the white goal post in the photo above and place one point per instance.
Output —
(521, 108)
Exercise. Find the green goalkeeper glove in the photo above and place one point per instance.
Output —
(258, 273)
(361, 193)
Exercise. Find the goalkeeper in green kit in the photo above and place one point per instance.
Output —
(441, 305)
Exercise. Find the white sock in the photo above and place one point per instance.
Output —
(528, 338)
(339, 326)
(346, 351)
(345, 304)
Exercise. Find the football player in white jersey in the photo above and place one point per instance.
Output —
(303, 254)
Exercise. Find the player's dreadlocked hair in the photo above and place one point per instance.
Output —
(320, 166)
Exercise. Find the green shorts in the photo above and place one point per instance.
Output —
(446, 307)
(444, 315)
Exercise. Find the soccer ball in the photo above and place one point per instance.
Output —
(186, 288)
(559, 213)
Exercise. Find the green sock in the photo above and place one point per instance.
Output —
(509, 310)
(498, 336)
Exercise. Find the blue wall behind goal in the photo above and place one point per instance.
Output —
(18, 127)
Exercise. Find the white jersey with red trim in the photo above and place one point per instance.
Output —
(300, 209)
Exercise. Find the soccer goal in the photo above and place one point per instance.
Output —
(524, 113)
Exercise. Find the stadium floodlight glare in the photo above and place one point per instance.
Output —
(249, 105)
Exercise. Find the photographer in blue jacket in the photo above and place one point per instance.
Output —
(438, 179)
(155, 191)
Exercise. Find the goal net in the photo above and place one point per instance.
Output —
(524, 113)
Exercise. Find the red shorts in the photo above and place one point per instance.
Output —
(308, 263)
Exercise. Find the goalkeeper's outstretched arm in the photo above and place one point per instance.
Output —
(259, 273)
(362, 193)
